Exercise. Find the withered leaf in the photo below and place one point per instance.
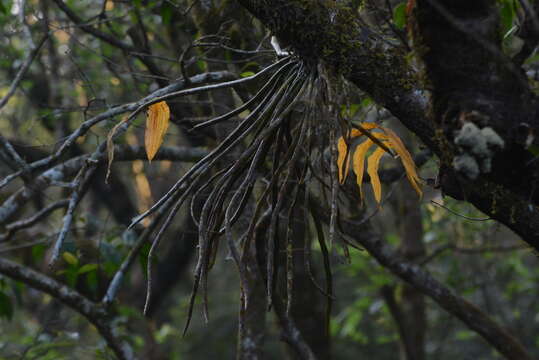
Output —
(386, 141)
(372, 170)
(157, 122)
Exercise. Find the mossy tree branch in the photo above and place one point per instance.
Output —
(324, 31)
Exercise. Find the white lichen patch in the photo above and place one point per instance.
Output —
(477, 147)
(467, 165)
(494, 141)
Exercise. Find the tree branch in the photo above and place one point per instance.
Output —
(22, 71)
(95, 313)
(468, 313)
(15, 202)
(144, 58)
(211, 77)
(328, 33)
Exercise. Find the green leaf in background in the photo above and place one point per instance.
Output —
(6, 307)
(92, 281)
(166, 13)
(202, 66)
(247, 74)
(38, 252)
(71, 276)
(70, 258)
(534, 149)
(399, 15)
(507, 15)
(87, 268)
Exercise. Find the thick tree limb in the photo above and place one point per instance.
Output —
(325, 32)
(468, 313)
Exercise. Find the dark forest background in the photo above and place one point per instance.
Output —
(415, 278)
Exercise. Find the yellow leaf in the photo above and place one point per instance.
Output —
(406, 159)
(368, 126)
(70, 258)
(358, 163)
(342, 161)
(372, 170)
(385, 141)
(156, 127)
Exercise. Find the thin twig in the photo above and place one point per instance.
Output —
(115, 111)
(22, 71)
(25, 223)
(460, 215)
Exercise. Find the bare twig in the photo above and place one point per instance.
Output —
(22, 71)
(62, 171)
(118, 110)
(80, 186)
(32, 220)
(460, 215)
(112, 40)
(133, 253)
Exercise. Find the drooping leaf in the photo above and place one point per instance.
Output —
(358, 162)
(406, 159)
(166, 13)
(507, 15)
(343, 153)
(342, 160)
(372, 170)
(386, 141)
(3, 8)
(157, 122)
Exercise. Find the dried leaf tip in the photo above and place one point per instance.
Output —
(157, 122)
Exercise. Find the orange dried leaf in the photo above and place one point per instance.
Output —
(157, 121)
(385, 141)
(342, 160)
(344, 156)
(368, 126)
(406, 159)
(372, 170)
(358, 163)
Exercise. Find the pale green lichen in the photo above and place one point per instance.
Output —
(477, 147)
(467, 165)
